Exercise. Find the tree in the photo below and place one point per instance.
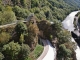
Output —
(34, 3)
(65, 46)
(56, 26)
(8, 16)
(16, 2)
(4, 37)
(21, 38)
(20, 12)
(23, 3)
(1, 56)
(1, 7)
(24, 52)
(11, 51)
(63, 36)
(20, 28)
(32, 38)
(64, 52)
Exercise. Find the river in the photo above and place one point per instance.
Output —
(68, 24)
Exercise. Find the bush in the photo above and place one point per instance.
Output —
(4, 37)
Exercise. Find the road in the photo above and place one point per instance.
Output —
(10, 24)
(25, 20)
(68, 21)
(49, 52)
(68, 24)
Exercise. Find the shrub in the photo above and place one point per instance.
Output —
(4, 37)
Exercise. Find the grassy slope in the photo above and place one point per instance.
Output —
(36, 52)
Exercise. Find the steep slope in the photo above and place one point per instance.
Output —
(75, 3)
(43, 9)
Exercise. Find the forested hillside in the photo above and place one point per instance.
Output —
(43, 9)
(22, 41)
(75, 3)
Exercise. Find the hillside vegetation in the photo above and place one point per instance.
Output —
(43, 9)
(22, 40)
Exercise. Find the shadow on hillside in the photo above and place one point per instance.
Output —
(76, 38)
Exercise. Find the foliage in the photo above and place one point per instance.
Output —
(65, 46)
(7, 29)
(1, 56)
(51, 10)
(23, 3)
(15, 2)
(64, 52)
(24, 52)
(7, 16)
(32, 37)
(64, 36)
(20, 12)
(33, 29)
(20, 28)
(34, 3)
(43, 9)
(1, 7)
(38, 50)
(45, 27)
(57, 26)
(11, 51)
(4, 37)
(21, 38)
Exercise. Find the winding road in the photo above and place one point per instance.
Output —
(68, 24)
(68, 21)
(10, 24)
(49, 52)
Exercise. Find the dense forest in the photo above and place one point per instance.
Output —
(43, 9)
(21, 41)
